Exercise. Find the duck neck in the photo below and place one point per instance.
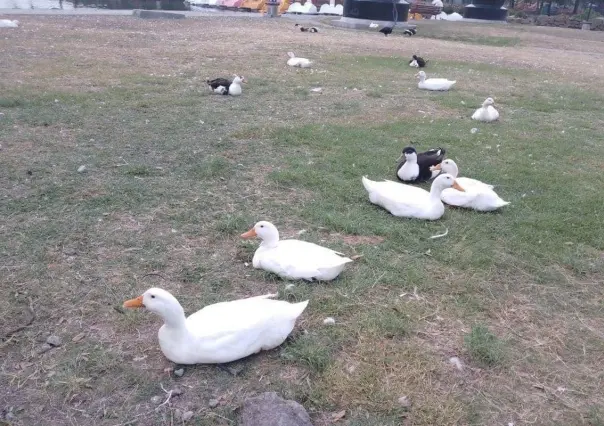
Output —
(174, 317)
(453, 172)
(435, 192)
(271, 241)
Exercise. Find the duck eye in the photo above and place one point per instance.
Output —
(152, 296)
(262, 226)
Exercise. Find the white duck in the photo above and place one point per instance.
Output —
(433, 83)
(294, 259)
(449, 166)
(486, 112)
(7, 23)
(410, 201)
(477, 195)
(293, 61)
(222, 332)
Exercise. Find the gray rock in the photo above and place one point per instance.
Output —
(179, 372)
(156, 399)
(156, 14)
(178, 414)
(177, 391)
(213, 403)
(269, 409)
(44, 348)
(187, 415)
(54, 340)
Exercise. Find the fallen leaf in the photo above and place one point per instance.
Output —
(78, 337)
(338, 416)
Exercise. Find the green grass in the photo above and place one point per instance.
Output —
(483, 346)
(176, 174)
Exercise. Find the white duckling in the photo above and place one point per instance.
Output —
(410, 201)
(486, 112)
(222, 332)
(477, 195)
(434, 83)
(294, 259)
(373, 25)
(293, 61)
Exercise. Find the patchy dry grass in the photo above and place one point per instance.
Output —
(175, 174)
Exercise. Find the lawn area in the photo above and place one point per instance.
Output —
(174, 174)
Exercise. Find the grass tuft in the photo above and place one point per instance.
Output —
(483, 346)
(309, 350)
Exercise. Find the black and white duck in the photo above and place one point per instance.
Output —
(410, 32)
(417, 62)
(415, 166)
(225, 86)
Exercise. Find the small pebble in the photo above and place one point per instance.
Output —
(213, 403)
(329, 321)
(187, 415)
(69, 251)
(179, 372)
(178, 414)
(290, 286)
(404, 401)
(156, 399)
(54, 340)
(473, 130)
(81, 169)
(456, 362)
(177, 391)
(44, 348)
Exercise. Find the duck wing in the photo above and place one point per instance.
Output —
(427, 159)
(217, 82)
(301, 259)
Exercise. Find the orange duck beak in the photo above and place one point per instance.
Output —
(249, 234)
(134, 303)
(458, 186)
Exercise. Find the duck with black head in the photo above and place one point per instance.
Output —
(415, 166)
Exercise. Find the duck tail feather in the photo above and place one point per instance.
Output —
(298, 308)
(368, 184)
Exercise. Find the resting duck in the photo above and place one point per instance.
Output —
(294, 259)
(222, 332)
(298, 62)
(416, 166)
(410, 32)
(7, 23)
(487, 112)
(225, 86)
(409, 201)
(477, 195)
(441, 84)
(386, 31)
(417, 62)
(307, 30)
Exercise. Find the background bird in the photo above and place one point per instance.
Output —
(386, 31)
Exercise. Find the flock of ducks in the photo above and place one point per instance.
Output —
(228, 331)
